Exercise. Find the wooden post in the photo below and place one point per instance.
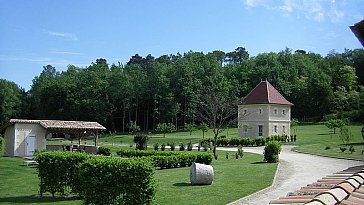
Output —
(79, 139)
(96, 138)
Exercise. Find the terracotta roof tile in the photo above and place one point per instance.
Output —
(345, 187)
(265, 93)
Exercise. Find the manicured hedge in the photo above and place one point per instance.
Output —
(58, 171)
(143, 153)
(97, 179)
(260, 141)
(106, 180)
(169, 159)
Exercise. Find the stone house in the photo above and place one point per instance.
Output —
(264, 112)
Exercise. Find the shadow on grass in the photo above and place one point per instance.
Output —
(260, 162)
(354, 144)
(182, 184)
(37, 199)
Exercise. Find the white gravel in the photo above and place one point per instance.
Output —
(295, 170)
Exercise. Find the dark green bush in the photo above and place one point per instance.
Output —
(141, 141)
(271, 151)
(342, 149)
(117, 181)
(181, 147)
(156, 147)
(351, 149)
(58, 171)
(172, 146)
(104, 151)
(163, 147)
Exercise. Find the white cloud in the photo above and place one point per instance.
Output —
(253, 3)
(65, 52)
(69, 36)
(316, 10)
(37, 60)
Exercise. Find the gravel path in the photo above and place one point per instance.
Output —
(295, 170)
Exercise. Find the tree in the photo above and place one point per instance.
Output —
(164, 128)
(204, 127)
(133, 127)
(11, 100)
(190, 127)
(216, 109)
(332, 124)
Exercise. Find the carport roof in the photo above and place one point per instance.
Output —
(62, 125)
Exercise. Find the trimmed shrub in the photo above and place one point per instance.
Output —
(141, 141)
(271, 151)
(104, 151)
(240, 152)
(58, 171)
(163, 147)
(117, 181)
(189, 146)
(172, 146)
(227, 155)
(181, 147)
(342, 149)
(156, 147)
(351, 149)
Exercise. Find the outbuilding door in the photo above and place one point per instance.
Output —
(30, 145)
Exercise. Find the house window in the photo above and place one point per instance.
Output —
(260, 130)
(275, 128)
(284, 129)
(260, 111)
(283, 112)
(275, 111)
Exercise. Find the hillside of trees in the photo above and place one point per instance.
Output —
(150, 90)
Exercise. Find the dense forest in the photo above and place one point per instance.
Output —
(149, 90)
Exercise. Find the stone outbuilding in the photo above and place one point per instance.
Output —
(23, 137)
(264, 112)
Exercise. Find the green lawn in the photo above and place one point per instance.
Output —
(315, 138)
(310, 138)
(233, 179)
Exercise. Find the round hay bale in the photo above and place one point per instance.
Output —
(201, 174)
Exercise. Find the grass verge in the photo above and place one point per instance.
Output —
(234, 178)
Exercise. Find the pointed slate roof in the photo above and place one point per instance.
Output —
(265, 93)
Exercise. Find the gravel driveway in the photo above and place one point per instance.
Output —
(295, 170)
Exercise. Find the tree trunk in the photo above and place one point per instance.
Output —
(112, 122)
(124, 113)
(215, 143)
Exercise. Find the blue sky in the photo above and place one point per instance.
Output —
(62, 32)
